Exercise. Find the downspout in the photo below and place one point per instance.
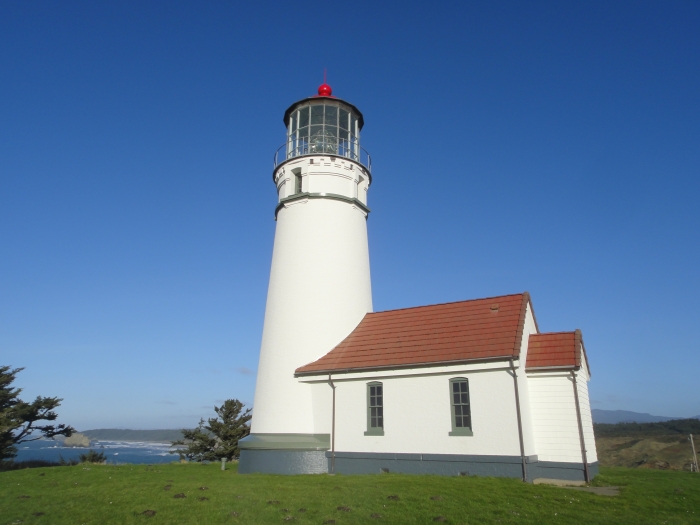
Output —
(330, 382)
(520, 422)
(580, 429)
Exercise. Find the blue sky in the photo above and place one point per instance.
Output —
(552, 147)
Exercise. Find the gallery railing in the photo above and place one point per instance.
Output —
(323, 146)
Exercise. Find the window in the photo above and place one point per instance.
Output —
(297, 180)
(375, 410)
(461, 408)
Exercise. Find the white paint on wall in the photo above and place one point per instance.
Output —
(323, 174)
(582, 378)
(529, 327)
(417, 412)
(319, 291)
(554, 416)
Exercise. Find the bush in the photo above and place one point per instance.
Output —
(30, 463)
(66, 462)
(93, 457)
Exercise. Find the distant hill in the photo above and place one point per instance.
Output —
(663, 445)
(122, 434)
(625, 416)
(672, 427)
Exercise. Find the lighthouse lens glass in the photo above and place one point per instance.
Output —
(331, 116)
(303, 117)
(316, 114)
(323, 128)
(316, 132)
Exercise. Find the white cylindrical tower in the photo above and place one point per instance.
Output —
(319, 287)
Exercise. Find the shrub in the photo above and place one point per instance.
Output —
(93, 457)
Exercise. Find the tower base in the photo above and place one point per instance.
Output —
(457, 465)
(283, 462)
(284, 454)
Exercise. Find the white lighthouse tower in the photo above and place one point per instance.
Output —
(319, 281)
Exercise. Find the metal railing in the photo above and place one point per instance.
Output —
(334, 146)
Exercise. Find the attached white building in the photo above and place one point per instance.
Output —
(465, 388)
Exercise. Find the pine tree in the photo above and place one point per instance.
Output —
(218, 437)
(18, 419)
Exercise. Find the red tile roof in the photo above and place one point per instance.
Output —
(430, 335)
(557, 349)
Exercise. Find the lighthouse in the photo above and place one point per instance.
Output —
(319, 288)
(464, 388)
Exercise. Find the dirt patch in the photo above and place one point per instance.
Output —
(149, 512)
(329, 522)
(436, 498)
(273, 502)
(179, 496)
(37, 514)
(233, 513)
(654, 452)
(302, 510)
(343, 508)
(439, 518)
(601, 491)
(393, 497)
(167, 487)
(203, 488)
(24, 496)
(375, 516)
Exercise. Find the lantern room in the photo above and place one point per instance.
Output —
(323, 125)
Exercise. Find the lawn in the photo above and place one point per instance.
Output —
(203, 494)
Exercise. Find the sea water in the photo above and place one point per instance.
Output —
(116, 451)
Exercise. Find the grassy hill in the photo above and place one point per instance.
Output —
(664, 445)
(194, 493)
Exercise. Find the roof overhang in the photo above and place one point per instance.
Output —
(290, 109)
(404, 367)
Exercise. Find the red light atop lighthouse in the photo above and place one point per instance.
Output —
(324, 90)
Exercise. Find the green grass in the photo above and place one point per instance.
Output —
(104, 494)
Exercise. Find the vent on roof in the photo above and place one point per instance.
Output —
(494, 308)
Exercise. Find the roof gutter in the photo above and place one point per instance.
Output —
(330, 382)
(551, 368)
(584, 455)
(520, 422)
(402, 367)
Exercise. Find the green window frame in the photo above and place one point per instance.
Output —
(460, 406)
(375, 409)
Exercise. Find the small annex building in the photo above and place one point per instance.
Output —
(444, 393)
(464, 388)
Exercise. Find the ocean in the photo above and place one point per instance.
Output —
(116, 451)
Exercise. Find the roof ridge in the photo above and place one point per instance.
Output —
(521, 324)
(449, 302)
(554, 333)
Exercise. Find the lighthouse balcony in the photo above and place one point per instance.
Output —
(333, 146)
